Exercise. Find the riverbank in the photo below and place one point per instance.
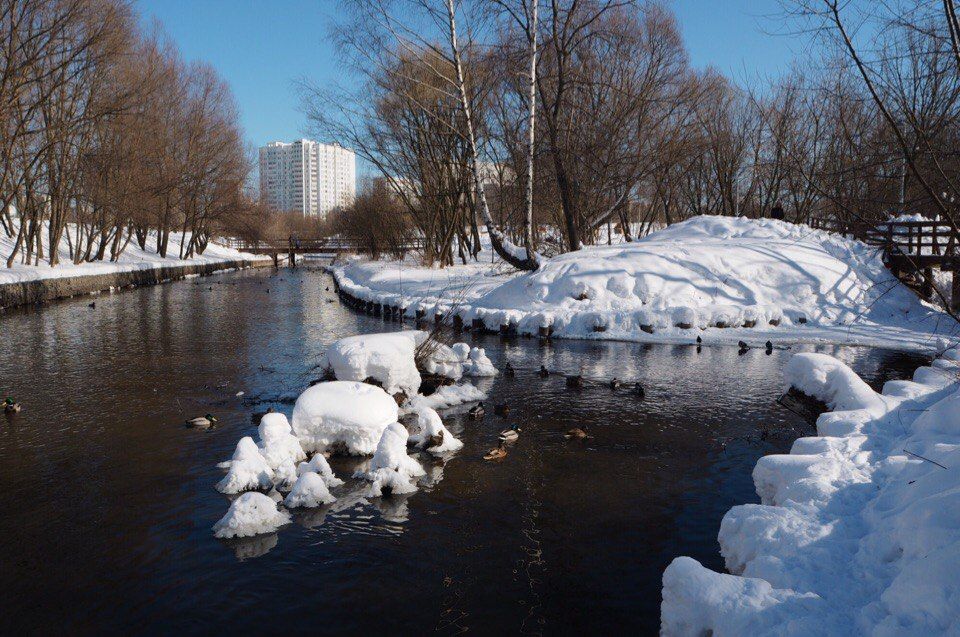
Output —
(857, 531)
(718, 278)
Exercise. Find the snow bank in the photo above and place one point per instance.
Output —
(391, 469)
(247, 469)
(309, 491)
(432, 435)
(858, 531)
(250, 514)
(778, 280)
(346, 413)
(387, 358)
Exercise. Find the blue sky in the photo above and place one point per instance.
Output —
(262, 47)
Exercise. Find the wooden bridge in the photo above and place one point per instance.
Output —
(276, 248)
(911, 249)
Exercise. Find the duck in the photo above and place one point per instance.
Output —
(476, 412)
(501, 409)
(769, 347)
(639, 391)
(578, 433)
(575, 381)
(511, 434)
(544, 372)
(202, 422)
(93, 304)
(497, 453)
(11, 407)
(742, 345)
(699, 340)
(508, 370)
(615, 383)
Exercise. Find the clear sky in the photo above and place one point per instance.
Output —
(262, 47)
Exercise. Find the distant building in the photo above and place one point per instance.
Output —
(308, 177)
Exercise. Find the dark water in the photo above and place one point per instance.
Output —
(107, 500)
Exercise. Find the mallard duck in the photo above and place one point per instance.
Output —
(508, 370)
(543, 372)
(476, 412)
(511, 434)
(769, 347)
(202, 422)
(639, 391)
(699, 340)
(615, 384)
(575, 381)
(501, 409)
(577, 433)
(742, 345)
(497, 453)
(11, 407)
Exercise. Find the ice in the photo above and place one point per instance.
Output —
(391, 469)
(432, 435)
(250, 514)
(343, 413)
(248, 469)
(309, 491)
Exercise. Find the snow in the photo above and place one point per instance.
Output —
(319, 465)
(858, 530)
(387, 358)
(309, 491)
(133, 258)
(475, 362)
(278, 445)
(250, 514)
(431, 427)
(343, 412)
(391, 468)
(701, 272)
(445, 397)
(247, 469)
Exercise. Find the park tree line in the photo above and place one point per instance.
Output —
(110, 137)
(558, 124)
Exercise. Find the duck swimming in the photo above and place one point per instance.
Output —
(476, 412)
(501, 409)
(639, 391)
(497, 453)
(202, 422)
(578, 433)
(508, 370)
(543, 372)
(615, 384)
(511, 434)
(11, 407)
(575, 381)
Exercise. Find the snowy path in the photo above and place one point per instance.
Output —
(762, 279)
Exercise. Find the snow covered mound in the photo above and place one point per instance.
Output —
(432, 435)
(278, 445)
(391, 469)
(858, 532)
(250, 514)
(387, 358)
(247, 469)
(319, 465)
(343, 412)
(776, 279)
(310, 491)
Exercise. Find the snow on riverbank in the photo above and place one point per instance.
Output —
(759, 279)
(133, 258)
(858, 531)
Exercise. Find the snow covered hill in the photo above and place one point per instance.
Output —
(735, 278)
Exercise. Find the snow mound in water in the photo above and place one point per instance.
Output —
(309, 491)
(247, 469)
(319, 465)
(250, 514)
(343, 412)
(447, 396)
(278, 445)
(391, 469)
(858, 532)
(387, 358)
(432, 435)
(474, 361)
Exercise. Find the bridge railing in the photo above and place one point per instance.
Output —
(279, 245)
(907, 238)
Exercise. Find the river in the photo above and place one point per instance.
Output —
(107, 499)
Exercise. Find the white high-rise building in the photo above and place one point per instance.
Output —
(307, 176)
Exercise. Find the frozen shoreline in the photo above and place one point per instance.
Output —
(758, 279)
(857, 532)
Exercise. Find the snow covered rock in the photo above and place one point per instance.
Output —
(831, 381)
(387, 358)
(247, 469)
(250, 514)
(476, 363)
(319, 465)
(391, 469)
(278, 445)
(432, 435)
(343, 413)
(309, 491)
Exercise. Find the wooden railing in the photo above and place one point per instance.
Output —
(929, 242)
